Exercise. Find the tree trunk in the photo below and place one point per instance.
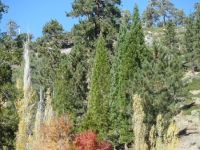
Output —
(164, 22)
(125, 146)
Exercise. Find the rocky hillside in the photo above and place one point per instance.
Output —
(188, 121)
(157, 34)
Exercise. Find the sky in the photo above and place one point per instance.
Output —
(33, 14)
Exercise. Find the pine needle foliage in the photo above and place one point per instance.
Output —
(197, 34)
(159, 85)
(189, 42)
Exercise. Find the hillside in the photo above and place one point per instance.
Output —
(156, 33)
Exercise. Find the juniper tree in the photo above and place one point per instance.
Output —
(96, 117)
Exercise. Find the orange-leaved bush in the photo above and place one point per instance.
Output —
(55, 135)
(87, 140)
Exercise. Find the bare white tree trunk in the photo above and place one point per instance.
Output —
(24, 105)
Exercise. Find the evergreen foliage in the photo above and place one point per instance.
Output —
(96, 118)
(130, 54)
(149, 16)
(71, 85)
(115, 87)
(170, 39)
(3, 9)
(74, 74)
(48, 48)
(159, 84)
(189, 42)
(197, 34)
(131, 102)
(162, 8)
(8, 93)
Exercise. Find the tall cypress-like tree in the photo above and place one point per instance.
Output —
(133, 54)
(99, 94)
(189, 41)
(114, 109)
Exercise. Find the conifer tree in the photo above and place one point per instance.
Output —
(189, 42)
(170, 39)
(159, 85)
(71, 86)
(197, 34)
(113, 107)
(96, 118)
(74, 74)
(3, 9)
(133, 54)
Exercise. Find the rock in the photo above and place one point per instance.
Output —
(195, 113)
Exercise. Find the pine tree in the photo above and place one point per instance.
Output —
(159, 85)
(150, 14)
(74, 74)
(170, 39)
(48, 48)
(96, 118)
(189, 42)
(3, 9)
(71, 86)
(165, 7)
(8, 92)
(197, 34)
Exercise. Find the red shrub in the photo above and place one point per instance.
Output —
(87, 140)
